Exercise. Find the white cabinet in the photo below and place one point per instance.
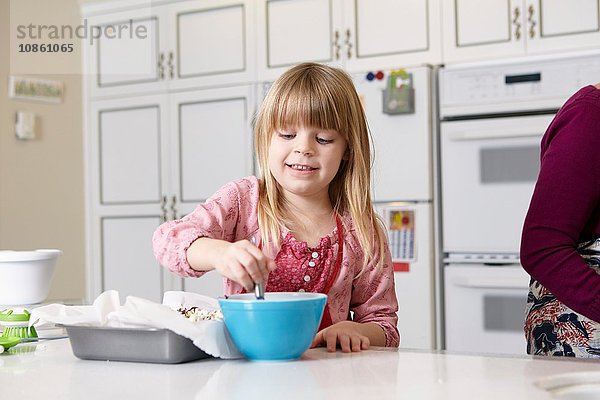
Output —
(482, 29)
(176, 46)
(556, 25)
(391, 33)
(154, 158)
(126, 185)
(211, 145)
(476, 30)
(125, 52)
(354, 34)
(211, 142)
(126, 253)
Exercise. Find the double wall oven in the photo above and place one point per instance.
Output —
(492, 120)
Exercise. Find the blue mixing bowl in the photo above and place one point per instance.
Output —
(280, 327)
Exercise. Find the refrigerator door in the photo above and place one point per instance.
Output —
(411, 236)
(402, 140)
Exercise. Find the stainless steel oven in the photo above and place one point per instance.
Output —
(493, 117)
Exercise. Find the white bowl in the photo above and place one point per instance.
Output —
(25, 276)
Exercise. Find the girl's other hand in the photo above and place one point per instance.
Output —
(346, 333)
(243, 263)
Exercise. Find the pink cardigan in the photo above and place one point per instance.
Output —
(230, 214)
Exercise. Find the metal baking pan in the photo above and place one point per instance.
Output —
(131, 344)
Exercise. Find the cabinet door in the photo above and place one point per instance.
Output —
(212, 142)
(128, 138)
(295, 31)
(390, 33)
(209, 284)
(128, 263)
(126, 149)
(211, 43)
(124, 52)
(212, 145)
(474, 29)
(555, 25)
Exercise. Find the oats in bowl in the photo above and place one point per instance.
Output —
(196, 314)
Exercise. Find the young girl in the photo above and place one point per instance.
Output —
(310, 214)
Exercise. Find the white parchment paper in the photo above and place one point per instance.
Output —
(210, 336)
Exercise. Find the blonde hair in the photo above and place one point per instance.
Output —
(320, 96)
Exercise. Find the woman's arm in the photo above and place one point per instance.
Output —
(565, 203)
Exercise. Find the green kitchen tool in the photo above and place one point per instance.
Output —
(8, 342)
(16, 324)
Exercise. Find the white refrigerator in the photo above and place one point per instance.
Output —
(399, 107)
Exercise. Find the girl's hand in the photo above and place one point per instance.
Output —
(243, 263)
(347, 334)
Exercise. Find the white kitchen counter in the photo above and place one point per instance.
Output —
(50, 371)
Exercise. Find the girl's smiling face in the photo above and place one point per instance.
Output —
(304, 160)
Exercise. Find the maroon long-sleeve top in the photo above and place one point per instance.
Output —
(565, 207)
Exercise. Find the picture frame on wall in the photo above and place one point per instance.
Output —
(32, 89)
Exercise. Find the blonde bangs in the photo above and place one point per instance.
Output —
(308, 101)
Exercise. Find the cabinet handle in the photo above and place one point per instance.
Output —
(348, 43)
(163, 208)
(173, 208)
(531, 21)
(516, 23)
(161, 68)
(171, 64)
(336, 44)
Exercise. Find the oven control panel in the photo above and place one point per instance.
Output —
(515, 87)
(482, 258)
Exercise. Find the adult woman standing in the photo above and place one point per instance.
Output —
(560, 245)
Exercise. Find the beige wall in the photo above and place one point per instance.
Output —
(42, 180)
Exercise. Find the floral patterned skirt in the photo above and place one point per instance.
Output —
(552, 328)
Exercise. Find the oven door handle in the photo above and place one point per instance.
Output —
(478, 283)
(493, 134)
